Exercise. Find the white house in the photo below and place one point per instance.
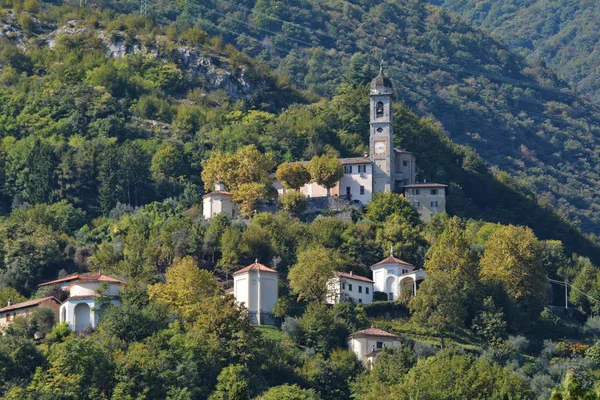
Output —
(255, 286)
(89, 295)
(218, 201)
(396, 278)
(368, 343)
(385, 168)
(349, 287)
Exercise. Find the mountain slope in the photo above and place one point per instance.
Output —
(564, 34)
(519, 117)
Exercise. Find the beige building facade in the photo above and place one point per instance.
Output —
(217, 202)
(368, 343)
(429, 199)
(24, 309)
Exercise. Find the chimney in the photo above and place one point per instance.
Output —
(366, 155)
(9, 303)
(424, 180)
(351, 273)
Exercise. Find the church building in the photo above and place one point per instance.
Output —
(385, 168)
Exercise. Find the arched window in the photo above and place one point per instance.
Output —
(379, 109)
(82, 316)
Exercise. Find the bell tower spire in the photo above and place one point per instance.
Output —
(381, 135)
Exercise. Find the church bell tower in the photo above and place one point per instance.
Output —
(381, 137)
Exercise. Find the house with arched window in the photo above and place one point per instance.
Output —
(89, 296)
(396, 278)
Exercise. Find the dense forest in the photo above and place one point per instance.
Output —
(112, 126)
(561, 34)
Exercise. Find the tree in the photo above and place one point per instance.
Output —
(289, 392)
(293, 203)
(230, 250)
(384, 205)
(186, 285)
(245, 174)
(325, 170)
(310, 275)
(232, 384)
(293, 175)
(452, 278)
(512, 259)
(168, 163)
(490, 323)
(8, 293)
(571, 388)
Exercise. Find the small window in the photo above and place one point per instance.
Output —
(404, 271)
(415, 191)
(362, 190)
(360, 289)
(405, 163)
(416, 204)
(434, 192)
(434, 204)
(349, 287)
(348, 191)
(380, 345)
(367, 290)
(362, 168)
(348, 169)
(360, 300)
(343, 286)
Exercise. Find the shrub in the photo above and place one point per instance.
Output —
(380, 296)
(292, 202)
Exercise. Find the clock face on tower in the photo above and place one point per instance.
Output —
(379, 147)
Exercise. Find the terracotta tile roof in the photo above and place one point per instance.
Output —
(374, 332)
(425, 185)
(352, 276)
(392, 260)
(230, 290)
(91, 296)
(221, 192)
(355, 160)
(255, 267)
(65, 279)
(83, 277)
(28, 303)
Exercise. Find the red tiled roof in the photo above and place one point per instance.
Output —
(255, 267)
(28, 303)
(392, 260)
(352, 276)
(91, 296)
(83, 277)
(355, 160)
(374, 332)
(425, 185)
(221, 192)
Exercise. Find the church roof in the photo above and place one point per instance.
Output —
(352, 276)
(221, 192)
(83, 277)
(374, 332)
(381, 81)
(354, 160)
(255, 267)
(392, 260)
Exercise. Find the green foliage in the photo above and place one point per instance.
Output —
(325, 170)
(310, 275)
(292, 202)
(289, 392)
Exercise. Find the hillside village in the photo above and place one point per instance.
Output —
(216, 200)
(255, 287)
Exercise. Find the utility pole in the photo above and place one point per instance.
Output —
(143, 7)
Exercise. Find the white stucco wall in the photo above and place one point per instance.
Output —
(216, 204)
(91, 288)
(354, 180)
(339, 290)
(364, 345)
(245, 290)
(386, 278)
